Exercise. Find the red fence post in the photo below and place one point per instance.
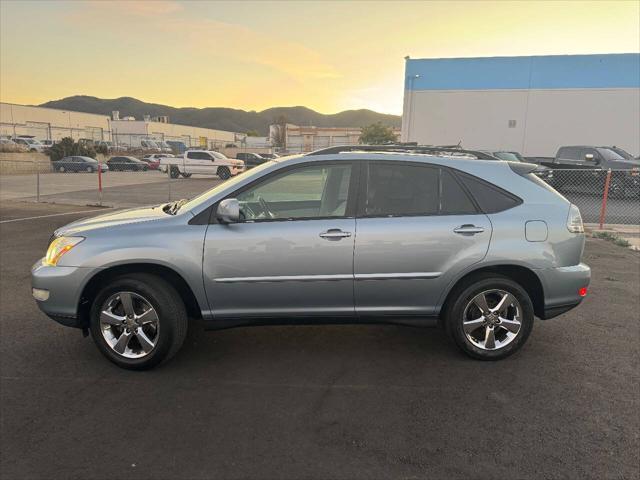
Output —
(100, 183)
(605, 195)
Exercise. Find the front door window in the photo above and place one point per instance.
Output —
(317, 191)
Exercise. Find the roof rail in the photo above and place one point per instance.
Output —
(447, 150)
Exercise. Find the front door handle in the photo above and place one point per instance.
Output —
(334, 234)
(468, 230)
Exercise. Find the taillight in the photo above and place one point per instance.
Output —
(583, 292)
(574, 220)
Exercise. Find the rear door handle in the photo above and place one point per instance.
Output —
(468, 230)
(334, 234)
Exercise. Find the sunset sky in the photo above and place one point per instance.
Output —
(329, 56)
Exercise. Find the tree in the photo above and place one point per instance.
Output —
(377, 134)
(67, 147)
(279, 132)
(253, 133)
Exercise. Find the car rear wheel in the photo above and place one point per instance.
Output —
(490, 317)
(138, 321)
(174, 173)
(61, 169)
(224, 173)
(89, 170)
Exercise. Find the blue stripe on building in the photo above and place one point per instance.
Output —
(536, 72)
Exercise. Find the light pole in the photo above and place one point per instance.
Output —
(410, 79)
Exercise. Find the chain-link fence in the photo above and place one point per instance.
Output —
(97, 183)
(603, 197)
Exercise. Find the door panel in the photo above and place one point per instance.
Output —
(403, 264)
(293, 253)
(279, 268)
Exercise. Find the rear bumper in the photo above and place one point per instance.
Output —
(561, 286)
(62, 287)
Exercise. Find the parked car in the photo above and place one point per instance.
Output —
(163, 146)
(153, 160)
(30, 144)
(545, 173)
(9, 145)
(203, 162)
(177, 148)
(109, 146)
(583, 169)
(47, 143)
(270, 156)
(127, 163)
(78, 164)
(477, 247)
(250, 159)
(149, 145)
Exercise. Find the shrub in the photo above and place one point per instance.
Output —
(67, 147)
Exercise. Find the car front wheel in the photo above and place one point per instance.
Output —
(224, 173)
(138, 321)
(490, 317)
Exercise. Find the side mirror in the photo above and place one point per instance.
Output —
(228, 211)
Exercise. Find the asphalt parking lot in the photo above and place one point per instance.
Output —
(319, 402)
(119, 189)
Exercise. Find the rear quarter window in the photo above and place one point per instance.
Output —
(490, 198)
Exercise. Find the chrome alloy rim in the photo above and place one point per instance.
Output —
(492, 319)
(129, 324)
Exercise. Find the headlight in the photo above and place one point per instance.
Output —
(59, 247)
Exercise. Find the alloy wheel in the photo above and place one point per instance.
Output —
(129, 325)
(492, 319)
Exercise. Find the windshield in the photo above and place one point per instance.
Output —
(508, 156)
(609, 154)
(204, 196)
(623, 153)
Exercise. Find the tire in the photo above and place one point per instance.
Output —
(144, 169)
(617, 189)
(175, 173)
(61, 169)
(224, 173)
(186, 175)
(463, 307)
(166, 333)
(89, 170)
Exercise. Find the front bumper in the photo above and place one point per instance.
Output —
(561, 286)
(63, 286)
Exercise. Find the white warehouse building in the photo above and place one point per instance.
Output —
(528, 104)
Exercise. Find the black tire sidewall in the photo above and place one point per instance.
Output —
(454, 316)
(224, 173)
(164, 300)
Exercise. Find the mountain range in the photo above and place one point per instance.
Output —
(229, 119)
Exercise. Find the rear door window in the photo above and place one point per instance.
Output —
(198, 155)
(397, 189)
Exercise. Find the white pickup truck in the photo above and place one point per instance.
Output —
(203, 162)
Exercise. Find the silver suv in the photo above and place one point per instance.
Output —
(351, 237)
